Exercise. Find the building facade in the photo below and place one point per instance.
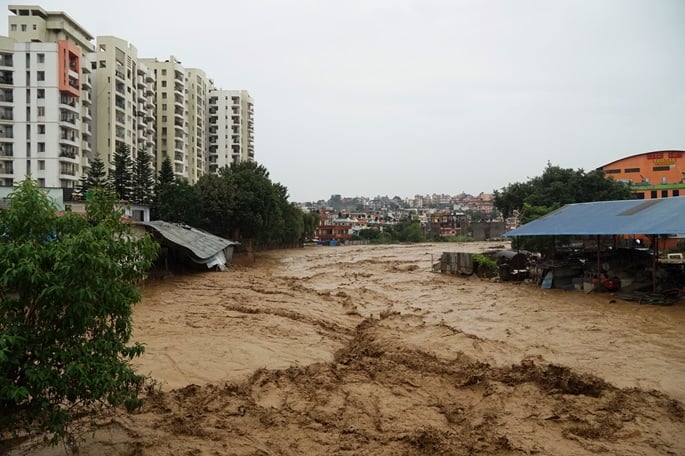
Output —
(64, 99)
(198, 86)
(123, 102)
(659, 174)
(231, 128)
(45, 80)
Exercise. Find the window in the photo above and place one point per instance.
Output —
(164, 95)
(41, 182)
(661, 168)
(41, 93)
(41, 129)
(163, 71)
(163, 118)
(653, 194)
(41, 111)
(41, 147)
(40, 75)
(631, 170)
(612, 171)
(34, 27)
(676, 192)
(13, 27)
(103, 64)
(41, 58)
(640, 195)
(23, 27)
(664, 193)
(163, 83)
(163, 106)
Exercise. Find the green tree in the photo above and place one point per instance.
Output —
(142, 191)
(121, 172)
(180, 202)
(218, 197)
(557, 187)
(67, 285)
(255, 205)
(311, 221)
(96, 176)
(166, 172)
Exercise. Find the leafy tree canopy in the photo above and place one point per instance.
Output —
(67, 285)
(557, 187)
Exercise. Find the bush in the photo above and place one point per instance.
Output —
(67, 285)
(484, 266)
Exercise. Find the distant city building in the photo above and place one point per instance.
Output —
(659, 174)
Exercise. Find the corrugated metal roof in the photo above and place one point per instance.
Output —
(202, 244)
(655, 216)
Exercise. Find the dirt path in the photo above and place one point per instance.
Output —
(364, 350)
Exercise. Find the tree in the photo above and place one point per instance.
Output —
(218, 196)
(121, 173)
(166, 173)
(143, 181)
(180, 202)
(96, 176)
(558, 186)
(67, 285)
(256, 205)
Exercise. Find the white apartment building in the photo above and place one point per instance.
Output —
(45, 106)
(171, 113)
(231, 128)
(62, 100)
(123, 101)
(198, 86)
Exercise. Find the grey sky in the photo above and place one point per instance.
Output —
(399, 97)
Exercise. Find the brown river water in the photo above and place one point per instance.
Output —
(364, 350)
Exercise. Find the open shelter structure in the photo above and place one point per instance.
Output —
(655, 218)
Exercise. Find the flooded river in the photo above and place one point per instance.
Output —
(365, 350)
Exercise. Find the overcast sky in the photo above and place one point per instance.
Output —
(405, 97)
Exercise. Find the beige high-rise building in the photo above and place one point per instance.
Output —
(231, 128)
(45, 105)
(123, 100)
(198, 86)
(171, 113)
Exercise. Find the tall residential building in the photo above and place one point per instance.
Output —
(231, 128)
(171, 112)
(198, 86)
(45, 107)
(123, 100)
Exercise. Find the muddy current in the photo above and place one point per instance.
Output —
(364, 350)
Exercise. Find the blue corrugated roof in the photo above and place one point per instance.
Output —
(655, 216)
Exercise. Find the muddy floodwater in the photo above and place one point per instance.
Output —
(364, 350)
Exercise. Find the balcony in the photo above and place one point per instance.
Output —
(6, 168)
(6, 77)
(6, 133)
(6, 96)
(67, 152)
(67, 171)
(6, 150)
(6, 114)
(6, 60)
(67, 101)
